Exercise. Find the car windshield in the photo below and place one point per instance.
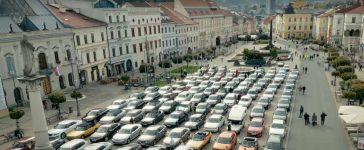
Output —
(151, 132)
(92, 113)
(221, 91)
(192, 82)
(153, 103)
(286, 93)
(102, 130)
(248, 143)
(256, 124)
(258, 110)
(213, 97)
(203, 106)
(230, 98)
(125, 131)
(113, 112)
(151, 115)
(204, 83)
(268, 93)
(208, 90)
(131, 114)
(230, 84)
(264, 100)
(277, 125)
(175, 135)
(195, 119)
(252, 92)
(224, 140)
(167, 104)
(174, 115)
(198, 137)
(182, 95)
(80, 128)
(133, 103)
(61, 126)
(151, 95)
(219, 107)
(272, 145)
(272, 86)
(283, 102)
(194, 88)
(213, 120)
(197, 96)
(280, 113)
(216, 84)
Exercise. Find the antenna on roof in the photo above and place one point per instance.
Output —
(44, 26)
(11, 28)
(57, 27)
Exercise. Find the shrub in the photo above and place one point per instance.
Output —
(177, 60)
(16, 114)
(331, 58)
(343, 69)
(114, 79)
(348, 75)
(121, 83)
(340, 61)
(335, 73)
(125, 78)
(165, 64)
(145, 67)
(105, 81)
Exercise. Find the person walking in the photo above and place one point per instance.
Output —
(360, 67)
(301, 111)
(229, 126)
(303, 90)
(314, 119)
(306, 117)
(306, 70)
(323, 116)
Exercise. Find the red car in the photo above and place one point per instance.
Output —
(256, 127)
(25, 143)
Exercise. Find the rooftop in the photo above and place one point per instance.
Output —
(74, 19)
(5, 23)
(198, 3)
(168, 9)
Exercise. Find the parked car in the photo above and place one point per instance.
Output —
(214, 99)
(198, 98)
(264, 101)
(183, 96)
(104, 132)
(199, 140)
(152, 135)
(184, 106)
(203, 108)
(257, 111)
(118, 104)
(277, 127)
(99, 146)
(195, 89)
(167, 97)
(280, 113)
(256, 127)
(272, 87)
(165, 89)
(139, 95)
(83, 130)
(94, 115)
(284, 103)
(126, 134)
(205, 84)
(195, 121)
(214, 123)
(153, 118)
(135, 104)
(217, 85)
(75, 144)
(252, 93)
(209, 91)
(269, 94)
(230, 85)
(287, 95)
(152, 105)
(245, 101)
(113, 115)
(56, 143)
(176, 136)
(25, 143)
(274, 142)
(152, 97)
(226, 140)
(220, 108)
(249, 143)
(230, 99)
(175, 119)
(61, 129)
(151, 89)
(168, 106)
(133, 116)
(221, 92)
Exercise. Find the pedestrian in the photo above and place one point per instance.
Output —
(132, 120)
(300, 57)
(229, 126)
(314, 119)
(303, 69)
(306, 117)
(306, 70)
(323, 116)
(360, 67)
(303, 90)
(18, 133)
(301, 111)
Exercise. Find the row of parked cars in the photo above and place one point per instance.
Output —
(171, 113)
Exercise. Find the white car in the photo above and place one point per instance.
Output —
(269, 94)
(252, 93)
(118, 104)
(277, 127)
(280, 114)
(257, 111)
(245, 101)
(127, 133)
(280, 64)
(214, 123)
(113, 115)
(75, 144)
(61, 129)
(205, 84)
(99, 146)
(184, 96)
(176, 137)
(272, 87)
(165, 89)
(230, 99)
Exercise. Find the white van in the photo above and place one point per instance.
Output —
(236, 117)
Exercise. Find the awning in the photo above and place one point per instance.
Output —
(353, 118)
(347, 110)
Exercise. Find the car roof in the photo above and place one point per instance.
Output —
(95, 146)
(178, 129)
(257, 119)
(226, 134)
(230, 94)
(134, 111)
(73, 142)
(220, 104)
(215, 116)
(280, 109)
(69, 121)
(278, 121)
(154, 127)
(257, 106)
(106, 125)
(196, 115)
(129, 126)
(177, 112)
(274, 138)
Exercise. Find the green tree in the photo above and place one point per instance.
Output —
(348, 75)
(359, 91)
(335, 74)
(349, 94)
(273, 52)
(125, 78)
(343, 69)
(57, 98)
(16, 114)
(144, 68)
(76, 95)
(340, 61)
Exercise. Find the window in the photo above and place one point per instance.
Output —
(310, 27)
(85, 38)
(139, 31)
(104, 53)
(119, 34)
(102, 36)
(300, 19)
(353, 20)
(126, 33)
(294, 27)
(95, 56)
(145, 31)
(134, 48)
(337, 32)
(150, 30)
(111, 34)
(121, 50)
(141, 47)
(70, 79)
(113, 52)
(110, 19)
(299, 27)
(294, 19)
(159, 29)
(338, 21)
(117, 18)
(136, 64)
(289, 19)
(68, 55)
(56, 57)
(124, 18)
(163, 44)
(10, 65)
(88, 57)
(78, 40)
(92, 38)
(155, 44)
(151, 44)
(132, 32)
(127, 49)
(138, 21)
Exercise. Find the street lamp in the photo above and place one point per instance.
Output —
(70, 60)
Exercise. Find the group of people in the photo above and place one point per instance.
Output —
(302, 89)
(306, 116)
(304, 70)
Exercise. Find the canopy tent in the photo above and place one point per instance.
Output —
(347, 110)
(353, 118)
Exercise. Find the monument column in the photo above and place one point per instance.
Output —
(39, 123)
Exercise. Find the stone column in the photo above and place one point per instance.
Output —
(39, 123)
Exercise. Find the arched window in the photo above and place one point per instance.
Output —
(347, 33)
(70, 79)
(42, 60)
(10, 65)
(61, 82)
(351, 33)
(68, 54)
(357, 32)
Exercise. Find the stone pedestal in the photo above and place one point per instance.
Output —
(39, 123)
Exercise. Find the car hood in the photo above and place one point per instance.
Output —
(279, 117)
(193, 144)
(276, 131)
(107, 118)
(236, 127)
(165, 107)
(283, 105)
(113, 107)
(255, 129)
(218, 111)
(256, 114)
(195, 100)
(146, 138)
(262, 103)
(244, 103)
(126, 119)
(56, 131)
(149, 107)
(191, 124)
(247, 148)
(169, 140)
(148, 119)
(200, 110)
(211, 125)
(119, 136)
(75, 133)
(221, 146)
(148, 98)
(89, 117)
(97, 135)
(180, 99)
(171, 120)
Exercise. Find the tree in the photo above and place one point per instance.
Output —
(125, 78)
(341, 61)
(335, 74)
(349, 94)
(144, 68)
(359, 91)
(273, 52)
(76, 95)
(16, 114)
(348, 75)
(57, 98)
(343, 69)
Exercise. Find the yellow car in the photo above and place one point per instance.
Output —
(83, 130)
(199, 140)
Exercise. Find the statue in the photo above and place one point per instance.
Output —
(28, 57)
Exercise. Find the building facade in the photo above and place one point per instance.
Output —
(297, 25)
(322, 27)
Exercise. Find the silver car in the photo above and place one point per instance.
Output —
(133, 116)
(203, 108)
(284, 103)
(99, 146)
(152, 135)
(195, 121)
(195, 89)
(118, 104)
(280, 113)
(113, 115)
(176, 137)
(184, 96)
(257, 111)
(287, 95)
(165, 89)
(152, 105)
(264, 101)
(151, 89)
(127, 133)
(220, 108)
